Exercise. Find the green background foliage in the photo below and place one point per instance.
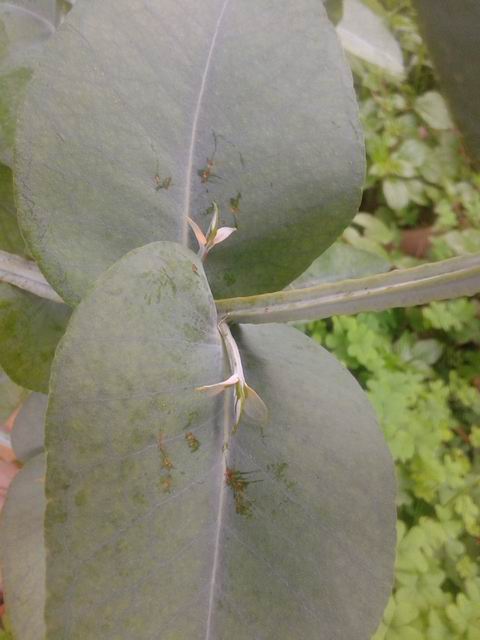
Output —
(420, 367)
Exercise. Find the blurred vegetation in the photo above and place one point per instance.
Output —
(421, 366)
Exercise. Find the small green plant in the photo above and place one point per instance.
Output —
(421, 184)
(414, 363)
(421, 380)
(204, 476)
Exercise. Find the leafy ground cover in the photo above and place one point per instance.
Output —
(421, 366)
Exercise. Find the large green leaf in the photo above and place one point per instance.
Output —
(24, 29)
(30, 328)
(334, 10)
(341, 262)
(22, 551)
(144, 113)
(41, 9)
(451, 29)
(10, 237)
(142, 530)
(29, 430)
(11, 396)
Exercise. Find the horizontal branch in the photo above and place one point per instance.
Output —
(26, 275)
(400, 288)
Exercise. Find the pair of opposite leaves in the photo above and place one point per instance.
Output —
(126, 121)
(115, 167)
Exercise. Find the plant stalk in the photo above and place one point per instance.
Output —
(400, 288)
(442, 280)
(25, 275)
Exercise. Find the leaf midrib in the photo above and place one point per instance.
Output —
(220, 519)
(196, 117)
(37, 16)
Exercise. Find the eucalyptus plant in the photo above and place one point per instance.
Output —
(181, 170)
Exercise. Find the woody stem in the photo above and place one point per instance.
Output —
(400, 288)
(233, 354)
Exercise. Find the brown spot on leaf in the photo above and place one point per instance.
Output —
(192, 441)
(164, 183)
(237, 481)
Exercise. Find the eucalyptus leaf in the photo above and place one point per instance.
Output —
(341, 262)
(145, 112)
(30, 328)
(24, 29)
(334, 10)
(12, 90)
(154, 527)
(365, 35)
(22, 551)
(29, 430)
(41, 9)
(10, 237)
(11, 396)
(451, 29)
(63, 9)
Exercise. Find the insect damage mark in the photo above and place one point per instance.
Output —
(209, 210)
(158, 282)
(279, 471)
(205, 173)
(238, 482)
(164, 183)
(192, 441)
(235, 206)
(167, 466)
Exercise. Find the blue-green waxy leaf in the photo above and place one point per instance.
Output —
(341, 262)
(25, 26)
(46, 10)
(157, 529)
(11, 396)
(29, 430)
(22, 551)
(10, 237)
(30, 328)
(334, 10)
(146, 112)
(451, 29)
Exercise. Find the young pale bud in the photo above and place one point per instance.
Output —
(246, 400)
(214, 234)
(215, 389)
